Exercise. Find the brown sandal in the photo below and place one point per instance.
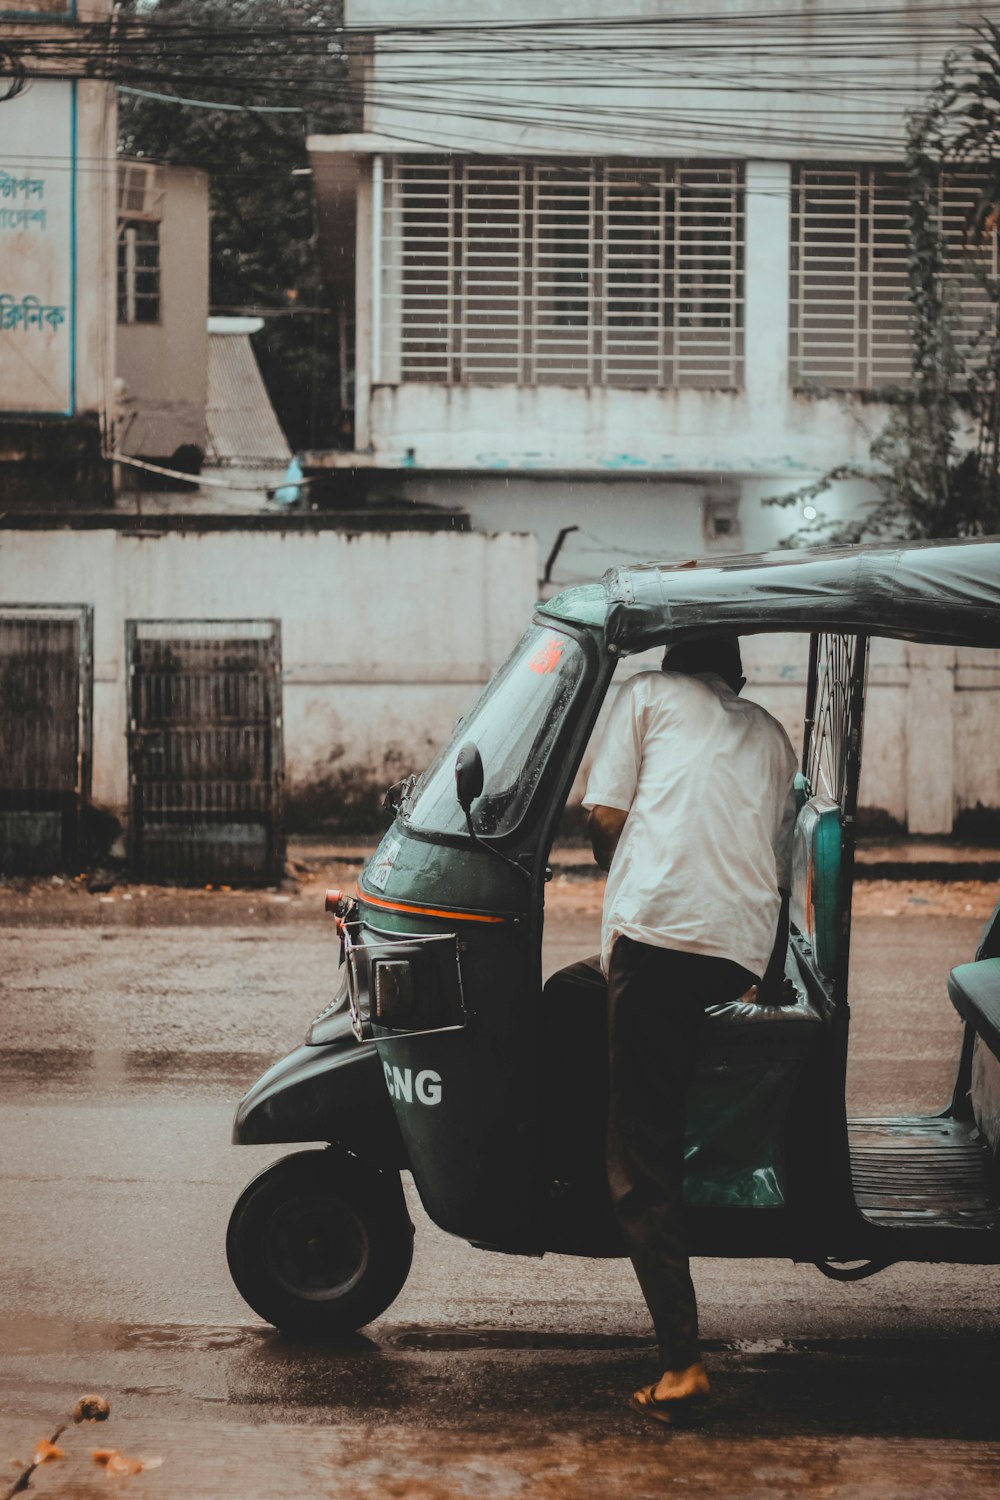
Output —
(673, 1409)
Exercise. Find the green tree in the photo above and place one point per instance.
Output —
(928, 482)
(251, 54)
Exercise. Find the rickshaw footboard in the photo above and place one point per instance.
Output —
(923, 1171)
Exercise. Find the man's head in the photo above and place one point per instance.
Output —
(718, 653)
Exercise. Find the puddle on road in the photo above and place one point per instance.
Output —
(140, 1068)
(34, 1335)
(41, 1336)
(437, 1377)
(53, 1064)
(458, 1340)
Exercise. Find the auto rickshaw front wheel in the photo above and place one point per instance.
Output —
(320, 1243)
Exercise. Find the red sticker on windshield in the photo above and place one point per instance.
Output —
(546, 659)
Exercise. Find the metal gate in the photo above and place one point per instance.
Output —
(46, 695)
(205, 755)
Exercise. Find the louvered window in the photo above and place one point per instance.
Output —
(138, 271)
(849, 306)
(526, 273)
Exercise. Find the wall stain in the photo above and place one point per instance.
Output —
(344, 797)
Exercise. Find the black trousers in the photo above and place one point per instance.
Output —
(656, 1000)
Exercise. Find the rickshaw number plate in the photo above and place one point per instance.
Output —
(379, 870)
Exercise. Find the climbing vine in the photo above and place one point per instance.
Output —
(936, 463)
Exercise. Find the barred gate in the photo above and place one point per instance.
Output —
(205, 751)
(46, 695)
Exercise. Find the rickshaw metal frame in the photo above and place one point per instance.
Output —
(594, 669)
(932, 593)
(361, 959)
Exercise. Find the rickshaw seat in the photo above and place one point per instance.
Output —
(750, 1059)
(975, 993)
(750, 1030)
(989, 943)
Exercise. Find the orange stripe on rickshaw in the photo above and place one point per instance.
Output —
(426, 911)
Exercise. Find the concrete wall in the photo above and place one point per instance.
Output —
(95, 253)
(165, 365)
(386, 638)
(742, 78)
(931, 720)
(626, 518)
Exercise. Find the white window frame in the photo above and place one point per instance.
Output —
(849, 306)
(128, 271)
(595, 273)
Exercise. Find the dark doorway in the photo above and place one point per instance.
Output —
(46, 696)
(205, 753)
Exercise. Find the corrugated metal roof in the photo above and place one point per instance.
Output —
(242, 426)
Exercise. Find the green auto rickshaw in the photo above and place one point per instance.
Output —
(438, 1055)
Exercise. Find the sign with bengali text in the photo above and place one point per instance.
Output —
(66, 8)
(37, 210)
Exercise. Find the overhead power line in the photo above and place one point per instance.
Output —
(451, 74)
(123, 38)
(255, 109)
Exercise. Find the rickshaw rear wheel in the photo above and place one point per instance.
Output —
(320, 1243)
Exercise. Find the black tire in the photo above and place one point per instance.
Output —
(320, 1243)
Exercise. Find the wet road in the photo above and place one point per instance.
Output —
(124, 1048)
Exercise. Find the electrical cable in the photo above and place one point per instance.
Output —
(253, 109)
(196, 480)
(636, 128)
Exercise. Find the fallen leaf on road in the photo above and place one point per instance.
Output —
(46, 1452)
(119, 1465)
(116, 1463)
(92, 1408)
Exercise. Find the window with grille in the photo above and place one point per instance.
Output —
(527, 273)
(138, 271)
(849, 307)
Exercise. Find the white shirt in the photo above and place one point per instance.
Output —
(706, 779)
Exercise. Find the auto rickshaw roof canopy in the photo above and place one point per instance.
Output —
(941, 593)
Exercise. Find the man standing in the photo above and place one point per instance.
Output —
(691, 812)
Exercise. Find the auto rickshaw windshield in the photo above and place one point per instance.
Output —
(514, 725)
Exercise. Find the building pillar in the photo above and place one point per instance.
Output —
(766, 283)
(930, 740)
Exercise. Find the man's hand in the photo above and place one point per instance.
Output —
(605, 824)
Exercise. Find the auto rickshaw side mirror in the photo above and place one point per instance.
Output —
(468, 786)
(468, 775)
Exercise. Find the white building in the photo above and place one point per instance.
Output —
(57, 265)
(629, 272)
